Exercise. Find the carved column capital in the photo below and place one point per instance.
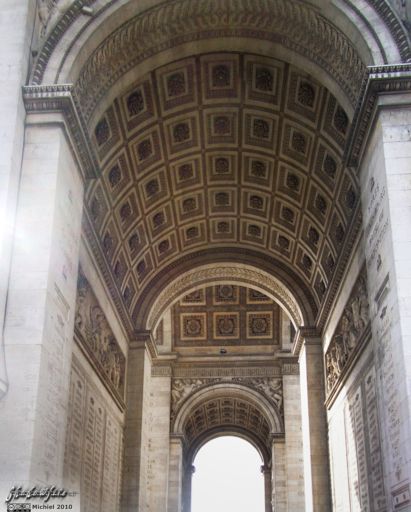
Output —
(266, 469)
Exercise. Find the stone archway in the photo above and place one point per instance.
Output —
(250, 408)
(207, 135)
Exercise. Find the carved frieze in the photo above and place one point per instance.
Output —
(96, 338)
(349, 333)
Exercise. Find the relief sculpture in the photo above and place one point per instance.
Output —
(96, 337)
(271, 388)
(349, 333)
(182, 388)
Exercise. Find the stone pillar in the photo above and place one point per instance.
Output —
(188, 472)
(385, 177)
(279, 478)
(294, 469)
(175, 474)
(16, 25)
(314, 427)
(136, 368)
(268, 490)
(39, 320)
(155, 438)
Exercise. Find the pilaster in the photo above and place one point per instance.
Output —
(175, 474)
(314, 426)
(268, 491)
(16, 22)
(382, 154)
(39, 320)
(293, 458)
(136, 370)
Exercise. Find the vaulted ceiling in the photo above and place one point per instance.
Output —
(221, 150)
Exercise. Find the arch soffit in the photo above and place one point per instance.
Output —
(82, 55)
(232, 391)
(229, 273)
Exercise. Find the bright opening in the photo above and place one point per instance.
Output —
(228, 477)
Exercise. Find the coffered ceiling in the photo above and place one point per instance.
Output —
(221, 150)
(226, 315)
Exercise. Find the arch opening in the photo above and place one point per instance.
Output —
(248, 409)
(227, 476)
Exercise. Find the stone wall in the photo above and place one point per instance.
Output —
(355, 443)
(385, 175)
(93, 453)
(96, 408)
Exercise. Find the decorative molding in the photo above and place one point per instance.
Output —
(379, 80)
(354, 233)
(395, 27)
(77, 8)
(290, 369)
(358, 12)
(49, 12)
(161, 371)
(56, 34)
(95, 337)
(221, 372)
(92, 240)
(296, 26)
(60, 98)
(224, 272)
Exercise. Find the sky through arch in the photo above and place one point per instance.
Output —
(228, 477)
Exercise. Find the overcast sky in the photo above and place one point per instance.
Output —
(228, 477)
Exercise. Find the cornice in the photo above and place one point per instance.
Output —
(354, 232)
(60, 99)
(91, 240)
(379, 80)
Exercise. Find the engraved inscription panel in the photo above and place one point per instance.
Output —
(363, 445)
(93, 446)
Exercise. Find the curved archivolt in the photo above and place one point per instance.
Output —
(230, 408)
(229, 274)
